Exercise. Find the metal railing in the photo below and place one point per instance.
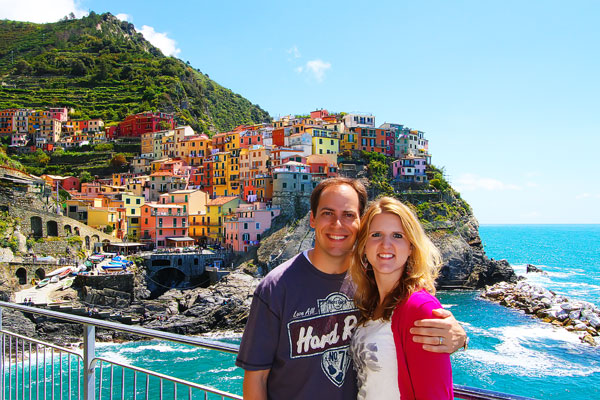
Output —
(82, 368)
(31, 368)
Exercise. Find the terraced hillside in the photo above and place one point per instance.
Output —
(103, 68)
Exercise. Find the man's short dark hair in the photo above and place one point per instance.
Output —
(324, 184)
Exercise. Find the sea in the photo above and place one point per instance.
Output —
(509, 352)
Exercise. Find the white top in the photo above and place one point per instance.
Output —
(374, 354)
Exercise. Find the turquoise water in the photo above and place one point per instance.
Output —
(510, 352)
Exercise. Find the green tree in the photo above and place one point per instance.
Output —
(118, 160)
(85, 176)
(41, 157)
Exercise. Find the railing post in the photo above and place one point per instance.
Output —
(89, 353)
(1, 359)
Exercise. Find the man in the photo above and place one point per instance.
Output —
(295, 345)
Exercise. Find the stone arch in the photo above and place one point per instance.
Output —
(40, 273)
(95, 238)
(87, 242)
(68, 230)
(36, 227)
(77, 233)
(22, 275)
(51, 228)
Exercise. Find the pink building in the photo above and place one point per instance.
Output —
(59, 113)
(164, 225)
(410, 169)
(244, 228)
(90, 189)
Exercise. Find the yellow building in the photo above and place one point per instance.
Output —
(212, 223)
(324, 141)
(220, 173)
(104, 218)
(195, 149)
(133, 213)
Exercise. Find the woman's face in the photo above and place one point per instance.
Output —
(387, 249)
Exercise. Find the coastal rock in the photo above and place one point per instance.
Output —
(594, 320)
(574, 316)
(569, 307)
(533, 269)
(589, 339)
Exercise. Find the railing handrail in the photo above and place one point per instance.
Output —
(460, 391)
(136, 330)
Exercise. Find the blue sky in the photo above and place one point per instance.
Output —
(506, 91)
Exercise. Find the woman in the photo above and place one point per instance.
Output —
(394, 267)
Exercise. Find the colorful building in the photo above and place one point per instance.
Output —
(245, 226)
(138, 124)
(164, 225)
(133, 213)
(6, 120)
(292, 177)
(212, 223)
(410, 169)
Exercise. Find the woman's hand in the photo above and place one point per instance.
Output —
(443, 335)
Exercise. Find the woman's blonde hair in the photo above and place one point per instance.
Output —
(420, 271)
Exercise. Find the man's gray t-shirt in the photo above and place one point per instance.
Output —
(300, 326)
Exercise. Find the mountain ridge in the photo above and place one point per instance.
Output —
(103, 68)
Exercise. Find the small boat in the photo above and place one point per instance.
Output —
(122, 260)
(96, 258)
(57, 271)
(54, 279)
(67, 283)
(114, 267)
(65, 273)
(43, 283)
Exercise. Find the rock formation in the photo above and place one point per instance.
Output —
(577, 316)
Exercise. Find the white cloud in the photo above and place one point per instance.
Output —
(39, 10)
(167, 45)
(124, 17)
(588, 196)
(532, 184)
(294, 52)
(472, 182)
(315, 69)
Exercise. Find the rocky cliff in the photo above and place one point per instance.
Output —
(456, 235)
(223, 306)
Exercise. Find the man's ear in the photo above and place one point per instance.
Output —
(312, 220)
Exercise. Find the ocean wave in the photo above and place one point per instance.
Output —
(115, 357)
(525, 363)
(161, 348)
(220, 370)
(476, 330)
(523, 351)
(447, 306)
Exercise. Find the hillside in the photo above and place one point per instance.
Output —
(103, 68)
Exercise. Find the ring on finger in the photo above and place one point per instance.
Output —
(441, 341)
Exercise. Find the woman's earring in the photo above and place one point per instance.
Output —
(365, 262)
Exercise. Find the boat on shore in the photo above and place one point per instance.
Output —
(59, 271)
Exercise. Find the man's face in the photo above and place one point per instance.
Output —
(337, 221)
